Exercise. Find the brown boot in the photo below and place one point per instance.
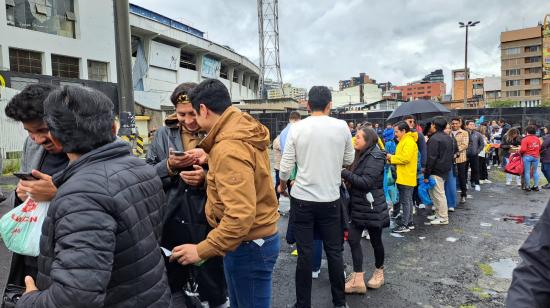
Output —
(377, 279)
(356, 283)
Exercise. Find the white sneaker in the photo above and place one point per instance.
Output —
(432, 217)
(451, 209)
(365, 235)
(488, 182)
(440, 221)
(508, 183)
(477, 188)
(315, 274)
(421, 206)
(489, 167)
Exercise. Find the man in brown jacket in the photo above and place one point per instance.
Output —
(242, 206)
(462, 139)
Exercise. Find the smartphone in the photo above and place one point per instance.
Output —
(178, 153)
(25, 176)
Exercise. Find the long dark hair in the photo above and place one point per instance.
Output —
(371, 139)
(508, 136)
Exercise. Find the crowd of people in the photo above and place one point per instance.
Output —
(195, 223)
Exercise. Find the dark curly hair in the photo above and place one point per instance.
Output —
(182, 89)
(80, 118)
(28, 105)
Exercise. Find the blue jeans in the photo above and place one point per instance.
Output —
(450, 189)
(248, 272)
(529, 161)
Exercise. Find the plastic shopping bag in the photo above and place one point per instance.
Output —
(423, 190)
(21, 227)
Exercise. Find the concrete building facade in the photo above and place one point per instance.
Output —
(364, 93)
(414, 91)
(521, 65)
(288, 91)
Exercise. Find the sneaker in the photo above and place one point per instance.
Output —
(477, 188)
(315, 274)
(547, 186)
(535, 188)
(432, 217)
(401, 229)
(411, 226)
(508, 183)
(488, 181)
(519, 184)
(365, 235)
(462, 200)
(527, 189)
(489, 167)
(421, 206)
(451, 209)
(440, 221)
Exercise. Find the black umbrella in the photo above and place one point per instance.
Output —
(420, 107)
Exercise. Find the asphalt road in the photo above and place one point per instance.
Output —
(465, 264)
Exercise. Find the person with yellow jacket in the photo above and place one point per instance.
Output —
(241, 206)
(406, 160)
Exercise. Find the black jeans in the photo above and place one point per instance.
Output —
(354, 241)
(463, 177)
(473, 162)
(483, 174)
(325, 217)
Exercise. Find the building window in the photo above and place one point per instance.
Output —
(223, 71)
(534, 81)
(512, 83)
(25, 61)
(65, 67)
(513, 72)
(97, 71)
(512, 93)
(532, 48)
(235, 77)
(533, 92)
(243, 81)
(188, 61)
(49, 16)
(513, 51)
(533, 70)
(533, 59)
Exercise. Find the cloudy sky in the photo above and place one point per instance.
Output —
(323, 41)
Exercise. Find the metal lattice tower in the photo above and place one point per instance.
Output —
(268, 30)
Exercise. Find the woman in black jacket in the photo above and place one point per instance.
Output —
(512, 139)
(365, 181)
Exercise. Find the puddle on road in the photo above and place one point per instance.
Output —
(522, 219)
(503, 268)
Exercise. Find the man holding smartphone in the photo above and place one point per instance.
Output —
(40, 160)
(173, 153)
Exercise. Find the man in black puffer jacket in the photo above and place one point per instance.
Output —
(365, 178)
(99, 244)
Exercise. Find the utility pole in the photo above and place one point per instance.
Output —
(467, 25)
(124, 68)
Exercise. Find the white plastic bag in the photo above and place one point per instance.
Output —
(21, 227)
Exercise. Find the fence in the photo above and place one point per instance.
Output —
(522, 116)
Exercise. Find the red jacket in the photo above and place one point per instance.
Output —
(530, 145)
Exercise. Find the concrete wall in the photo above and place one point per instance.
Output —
(95, 38)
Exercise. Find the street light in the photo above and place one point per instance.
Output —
(466, 25)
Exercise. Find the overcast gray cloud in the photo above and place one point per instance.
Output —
(323, 41)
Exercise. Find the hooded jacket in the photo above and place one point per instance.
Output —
(440, 155)
(406, 159)
(241, 205)
(100, 240)
(531, 279)
(368, 177)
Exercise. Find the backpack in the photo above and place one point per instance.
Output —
(515, 164)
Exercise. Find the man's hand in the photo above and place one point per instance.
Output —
(29, 284)
(180, 162)
(195, 177)
(199, 154)
(40, 190)
(21, 194)
(185, 254)
(282, 189)
(388, 156)
(426, 180)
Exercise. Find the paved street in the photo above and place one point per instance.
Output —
(465, 264)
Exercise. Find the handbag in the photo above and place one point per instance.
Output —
(345, 201)
(12, 294)
(515, 164)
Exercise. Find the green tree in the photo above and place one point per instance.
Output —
(503, 103)
(545, 103)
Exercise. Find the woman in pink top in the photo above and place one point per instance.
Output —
(530, 150)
